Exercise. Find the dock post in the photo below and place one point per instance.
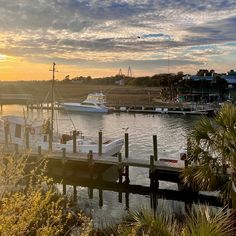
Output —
(74, 193)
(126, 145)
(126, 156)
(27, 137)
(100, 143)
(74, 141)
(64, 189)
(155, 153)
(90, 163)
(120, 172)
(120, 167)
(39, 150)
(127, 200)
(100, 198)
(152, 172)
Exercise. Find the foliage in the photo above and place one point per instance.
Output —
(200, 222)
(30, 204)
(213, 152)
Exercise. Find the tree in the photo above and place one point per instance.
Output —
(213, 152)
(31, 205)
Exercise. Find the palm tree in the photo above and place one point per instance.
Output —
(201, 222)
(213, 152)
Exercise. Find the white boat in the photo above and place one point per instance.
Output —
(13, 131)
(95, 102)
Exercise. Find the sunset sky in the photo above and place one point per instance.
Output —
(98, 37)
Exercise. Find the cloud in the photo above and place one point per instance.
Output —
(117, 31)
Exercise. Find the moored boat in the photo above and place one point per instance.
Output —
(95, 102)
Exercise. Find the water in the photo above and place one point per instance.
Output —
(171, 131)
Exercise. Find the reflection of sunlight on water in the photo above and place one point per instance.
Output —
(171, 135)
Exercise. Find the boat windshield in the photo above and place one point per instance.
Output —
(87, 103)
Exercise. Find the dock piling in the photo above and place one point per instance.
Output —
(155, 153)
(100, 143)
(120, 169)
(64, 189)
(100, 198)
(90, 163)
(74, 193)
(74, 141)
(126, 145)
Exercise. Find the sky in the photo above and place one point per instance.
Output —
(99, 37)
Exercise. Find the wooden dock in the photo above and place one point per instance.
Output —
(145, 109)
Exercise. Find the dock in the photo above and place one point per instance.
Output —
(143, 109)
(92, 169)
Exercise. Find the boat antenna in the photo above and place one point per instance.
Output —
(52, 106)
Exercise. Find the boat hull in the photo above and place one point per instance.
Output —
(80, 108)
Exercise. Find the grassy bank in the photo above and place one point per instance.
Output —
(130, 95)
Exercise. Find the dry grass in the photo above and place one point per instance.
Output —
(76, 92)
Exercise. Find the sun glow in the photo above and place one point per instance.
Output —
(3, 57)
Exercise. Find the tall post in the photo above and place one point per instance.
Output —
(126, 145)
(74, 141)
(74, 193)
(126, 156)
(52, 107)
(100, 143)
(154, 138)
(100, 193)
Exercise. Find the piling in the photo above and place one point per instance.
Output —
(126, 156)
(90, 163)
(100, 143)
(120, 168)
(74, 141)
(64, 189)
(152, 174)
(127, 200)
(74, 193)
(154, 138)
(100, 197)
(126, 145)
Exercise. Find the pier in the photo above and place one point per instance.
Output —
(104, 172)
(143, 109)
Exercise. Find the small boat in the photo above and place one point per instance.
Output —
(95, 102)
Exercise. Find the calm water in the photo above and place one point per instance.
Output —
(171, 131)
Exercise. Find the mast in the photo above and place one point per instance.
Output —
(52, 107)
